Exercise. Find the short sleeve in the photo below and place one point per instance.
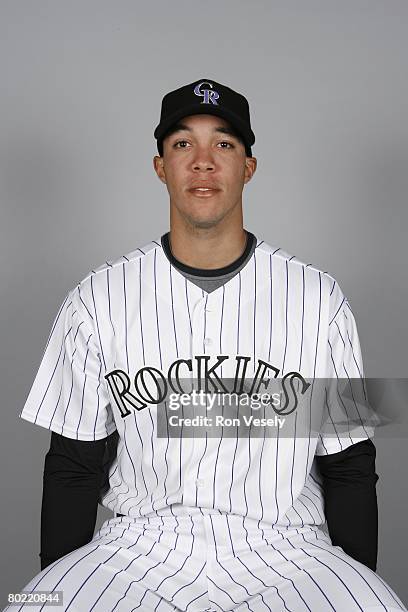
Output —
(69, 394)
(348, 418)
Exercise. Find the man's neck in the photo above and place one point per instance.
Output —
(208, 250)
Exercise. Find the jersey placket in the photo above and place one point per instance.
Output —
(198, 484)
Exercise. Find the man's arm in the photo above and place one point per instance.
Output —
(349, 481)
(73, 473)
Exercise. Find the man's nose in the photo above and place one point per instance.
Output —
(203, 159)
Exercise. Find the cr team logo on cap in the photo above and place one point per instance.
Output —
(209, 95)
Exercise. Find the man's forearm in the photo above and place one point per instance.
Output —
(71, 488)
(68, 515)
(349, 481)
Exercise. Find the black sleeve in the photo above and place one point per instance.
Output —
(349, 481)
(74, 473)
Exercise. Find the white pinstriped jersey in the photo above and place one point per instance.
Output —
(141, 311)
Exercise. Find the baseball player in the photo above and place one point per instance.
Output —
(281, 518)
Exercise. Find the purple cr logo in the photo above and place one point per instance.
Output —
(209, 95)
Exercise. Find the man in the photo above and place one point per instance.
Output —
(205, 522)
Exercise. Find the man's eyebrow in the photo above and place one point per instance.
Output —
(220, 128)
(226, 130)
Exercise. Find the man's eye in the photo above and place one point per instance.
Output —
(181, 144)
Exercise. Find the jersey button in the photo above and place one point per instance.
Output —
(207, 341)
(200, 482)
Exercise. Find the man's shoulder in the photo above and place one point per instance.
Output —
(318, 283)
(117, 264)
(291, 261)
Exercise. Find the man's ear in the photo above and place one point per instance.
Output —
(250, 168)
(158, 165)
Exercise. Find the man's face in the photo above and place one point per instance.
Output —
(204, 167)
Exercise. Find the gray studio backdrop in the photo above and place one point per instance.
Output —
(81, 87)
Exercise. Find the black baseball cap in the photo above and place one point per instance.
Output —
(206, 96)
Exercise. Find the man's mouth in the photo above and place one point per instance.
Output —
(203, 192)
